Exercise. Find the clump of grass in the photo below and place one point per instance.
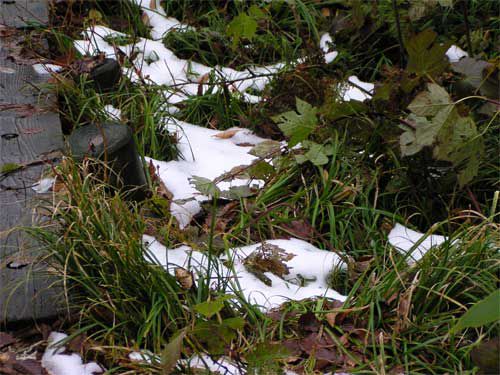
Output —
(95, 240)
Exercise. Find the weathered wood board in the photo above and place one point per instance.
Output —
(22, 13)
(29, 132)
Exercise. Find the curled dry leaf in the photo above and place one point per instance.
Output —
(145, 19)
(184, 278)
(226, 134)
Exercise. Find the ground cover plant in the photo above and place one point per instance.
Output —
(322, 190)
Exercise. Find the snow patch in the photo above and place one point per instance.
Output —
(203, 155)
(112, 112)
(44, 69)
(353, 92)
(309, 270)
(158, 20)
(455, 53)
(57, 363)
(405, 239)
(326, 45)
(44, 185)
(159, 65)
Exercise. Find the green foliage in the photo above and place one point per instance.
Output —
(436, 122)
(242, 26)
(315, 153)
(9, 168)
(298, 125)
(425, 54)
(210, 308)
(483, 312)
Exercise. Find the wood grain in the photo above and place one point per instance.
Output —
(22, 13)
(28, 131)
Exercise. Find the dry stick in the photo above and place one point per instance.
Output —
(400, 35)
(467, 27)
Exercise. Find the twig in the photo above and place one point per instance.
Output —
(400, 35)
(467, 27)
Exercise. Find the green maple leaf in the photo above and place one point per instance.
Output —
(316, 154)
(426, 56)
(241, 26)
(438, 124)
(298, 125)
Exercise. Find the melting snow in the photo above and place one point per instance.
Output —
(161, 66)
(57, 363)
(351, 92)
(455, 53)
(158, 20)
(405, 239)
(310, 266)
(203, 155)
(43, 69)
(44, 185)
(112, 112)
(326, 44)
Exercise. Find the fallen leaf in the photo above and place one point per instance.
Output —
(6, 31)
(145, 19)
(299, 228)
(325, 12)
(308, 322)
(7, 70)
(226, 134)
(184, 277)
(6, 339)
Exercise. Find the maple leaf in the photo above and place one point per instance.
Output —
(298, 125)
(426, 56)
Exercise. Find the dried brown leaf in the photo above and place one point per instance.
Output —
(6, 339)
(184, 278)
(226, 134)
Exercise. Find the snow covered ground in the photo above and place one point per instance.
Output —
(56, 362)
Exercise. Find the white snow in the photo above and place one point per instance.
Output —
(222, 365)
(158, 20)
(309, 265)
(44, 69)
(455, 53)
(57, 363)
(167, 69)
(326, 45)
(405, 240)
(44, 185)
(112, 112)
(203, 155)
(351, 92)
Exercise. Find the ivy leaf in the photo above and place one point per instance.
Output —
(472, 69)
(265, 149)
(210, 308)
(459, 143)
(298, 125)
(237, 192)
(237, 323)
(205, 186)
(426, 56)
(316, 154)
(241, 26)
(438, 124)
(430, 102)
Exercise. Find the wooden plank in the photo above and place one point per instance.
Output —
(19, 83)
(28, 132)
(23, 13)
